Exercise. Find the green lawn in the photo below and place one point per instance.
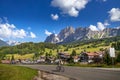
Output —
(11, 72)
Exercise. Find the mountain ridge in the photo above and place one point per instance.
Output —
(69, 34)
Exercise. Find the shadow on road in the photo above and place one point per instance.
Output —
(55, 71)
(58, 70)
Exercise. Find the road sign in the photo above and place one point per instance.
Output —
(112, 52)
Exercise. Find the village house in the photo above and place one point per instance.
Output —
(76, 59)
(6, 61)
(64, 55)
(91, 57)
(83, 57)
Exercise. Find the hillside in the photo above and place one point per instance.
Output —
(92, 45)
(52, 49)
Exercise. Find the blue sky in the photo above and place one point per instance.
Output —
(34, 20)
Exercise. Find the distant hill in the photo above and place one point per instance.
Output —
(8, 43)
(3, 43)
(69, 34)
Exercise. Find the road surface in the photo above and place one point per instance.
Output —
(79, 73)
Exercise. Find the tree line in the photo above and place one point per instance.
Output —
(26, 48)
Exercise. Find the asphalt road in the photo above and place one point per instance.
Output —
(79, 73)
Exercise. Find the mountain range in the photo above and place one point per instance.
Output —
(9, 43)
(69, 34)
(3, 43)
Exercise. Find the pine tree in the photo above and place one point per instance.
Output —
(73, 53)
(107, 59)
(12, 57)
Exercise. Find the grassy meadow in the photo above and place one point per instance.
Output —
(17, 56)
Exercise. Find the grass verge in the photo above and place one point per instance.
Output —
(95, 65)
(11, 72)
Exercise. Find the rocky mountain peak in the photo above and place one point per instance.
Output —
(64, 33)
(53, 38)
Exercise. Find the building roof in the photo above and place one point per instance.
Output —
(93, 54)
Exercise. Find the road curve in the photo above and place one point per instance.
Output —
(79, 73)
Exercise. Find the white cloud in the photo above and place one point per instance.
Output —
(32, 35)
(93, 28)
(114, 14)
(100, 26)
(73, 12)
(117, 27)
(18, 33)
(54, 17)
(70, 7)
(9, 31)
(48, 33)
